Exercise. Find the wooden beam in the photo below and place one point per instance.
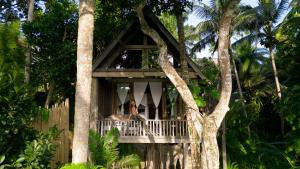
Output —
(130, 80)
(140, 47)
(106, 63)
(135, 74)
(112, 45)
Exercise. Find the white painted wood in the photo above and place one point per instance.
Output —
(148, 131)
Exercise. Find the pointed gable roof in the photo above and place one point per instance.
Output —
(124, 36)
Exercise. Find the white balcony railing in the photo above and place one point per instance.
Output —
(148, 131)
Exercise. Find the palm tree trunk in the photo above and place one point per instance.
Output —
(240, 93)
(275, 72)
(182, 51)
(272, 56)
(28, 51)
(84, 80)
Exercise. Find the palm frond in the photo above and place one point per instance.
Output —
(266, 9)
(95, 147)
(205, 12)
(250, 38)
(281, 8)
(104, 149)
(204, 27)
(110, 146)
(245, 19)
(204, 42)
(128, 161)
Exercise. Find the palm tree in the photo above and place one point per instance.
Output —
(208, 31)
(268, 13)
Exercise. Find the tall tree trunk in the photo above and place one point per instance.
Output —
(28, 51)
(240, 91)
(195, 147)
(193, 115)
(182, 51)
(84, 81)
(272, 57)
(206, 127)
(50, 94)
(211, 124)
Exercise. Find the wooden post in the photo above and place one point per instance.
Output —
(164, 104)
(94, 104)
(185, 155)
(145, 55)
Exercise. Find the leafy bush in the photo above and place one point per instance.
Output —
(104, 151)
(37, 153)
(81, 166)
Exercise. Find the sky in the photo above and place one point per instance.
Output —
(194, 20)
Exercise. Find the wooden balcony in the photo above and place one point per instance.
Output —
(148, 131)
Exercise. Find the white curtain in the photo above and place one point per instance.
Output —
(156, 91)
(139, 91)
(122, 90)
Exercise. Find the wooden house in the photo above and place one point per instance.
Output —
(127, 71)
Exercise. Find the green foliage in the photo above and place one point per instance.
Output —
(105, 151)
(12, 10)
(170, 6)
(81, 166)
(52, 35)
(205, 94)
(288, 53)
(252, 152)
(110, 17)
(170, 23)
(232, 165)
(37, 153)
(17, 108)
(196, 91)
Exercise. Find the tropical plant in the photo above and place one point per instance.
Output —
(105, 152)
(207, 30)
(37, 153)
(17, 107)
(81, 166)
(288, 36)
(268, 13)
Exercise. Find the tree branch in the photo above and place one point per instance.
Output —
(224, 63)
(193, 115)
